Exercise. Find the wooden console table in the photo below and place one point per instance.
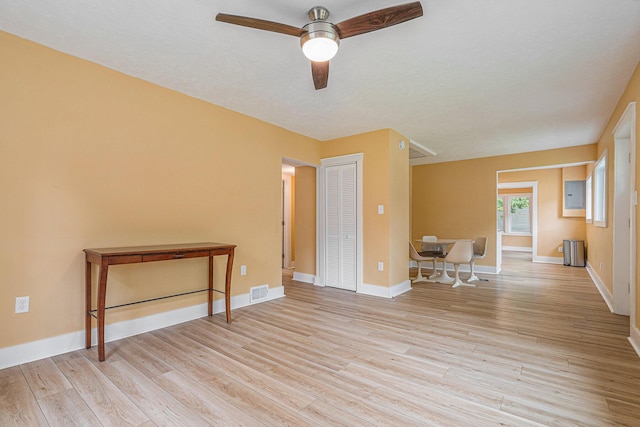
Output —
(103, 258)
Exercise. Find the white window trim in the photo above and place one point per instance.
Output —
(600, 199)
(506, 212)
(588, 213)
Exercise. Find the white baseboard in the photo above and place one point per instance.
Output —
(400, 288)
(634, 339)
(245, 299)
(48, 347)
(365, 289)
(517, 248)
(304, 277)
(384, 291)
(36, 350)
(549, 260)
(606, 295)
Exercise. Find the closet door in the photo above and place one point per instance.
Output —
(341, 226)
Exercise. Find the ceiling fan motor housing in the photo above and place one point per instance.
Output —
(319, 29)
(318, 13)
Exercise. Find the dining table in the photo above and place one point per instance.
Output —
(441, 276)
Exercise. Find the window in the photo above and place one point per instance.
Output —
(600, 192)
(514, 214)
(587, 200)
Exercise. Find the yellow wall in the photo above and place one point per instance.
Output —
(516, 241)
(458, 199)
(553, 227)
(398, 209)
(385, 170)
(95, 158)
(600, 239)
(501, 178)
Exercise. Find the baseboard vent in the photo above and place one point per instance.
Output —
(258, 293)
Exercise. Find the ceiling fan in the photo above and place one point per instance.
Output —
(320, 39)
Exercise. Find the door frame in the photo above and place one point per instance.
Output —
(286, 221)
(624, 223)
(321, 217)
(534, 218)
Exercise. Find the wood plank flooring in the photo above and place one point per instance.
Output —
(534, 345)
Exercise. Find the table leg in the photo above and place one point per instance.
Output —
(210, 285)
(434, 274)
(227, 286)
(102, 296)
(87, 299)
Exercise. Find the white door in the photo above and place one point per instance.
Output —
(341, 226)
(624, 215)
(621, 228)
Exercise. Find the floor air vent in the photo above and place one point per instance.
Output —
(258, 293)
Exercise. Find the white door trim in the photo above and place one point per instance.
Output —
(286, 219)
(321, 217)
(621, 222)
(624, 302)
(534, 216)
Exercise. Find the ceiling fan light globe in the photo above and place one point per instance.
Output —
(320, 41)
(320, 49)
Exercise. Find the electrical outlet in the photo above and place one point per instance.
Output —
(380, 266)
(243, 270)
(22, 304)
(560, 249)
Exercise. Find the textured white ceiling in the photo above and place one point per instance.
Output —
(471, 78)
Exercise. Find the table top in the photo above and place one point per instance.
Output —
(442, 241)
(151, 249)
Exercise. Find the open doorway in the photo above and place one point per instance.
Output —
(288, 217)
(517, 223)
(540, 195)
(299, 226)
(516, 204)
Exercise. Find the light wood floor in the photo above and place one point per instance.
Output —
(535, 345)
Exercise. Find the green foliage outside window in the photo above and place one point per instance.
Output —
(519, 203)
(517, 219)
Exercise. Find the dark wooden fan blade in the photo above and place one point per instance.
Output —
(260, 24)
(320, 72)
(379, 19)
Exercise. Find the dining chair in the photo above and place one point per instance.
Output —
(430, 248)
(414, 255)
(461, 253)
(479, 252)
